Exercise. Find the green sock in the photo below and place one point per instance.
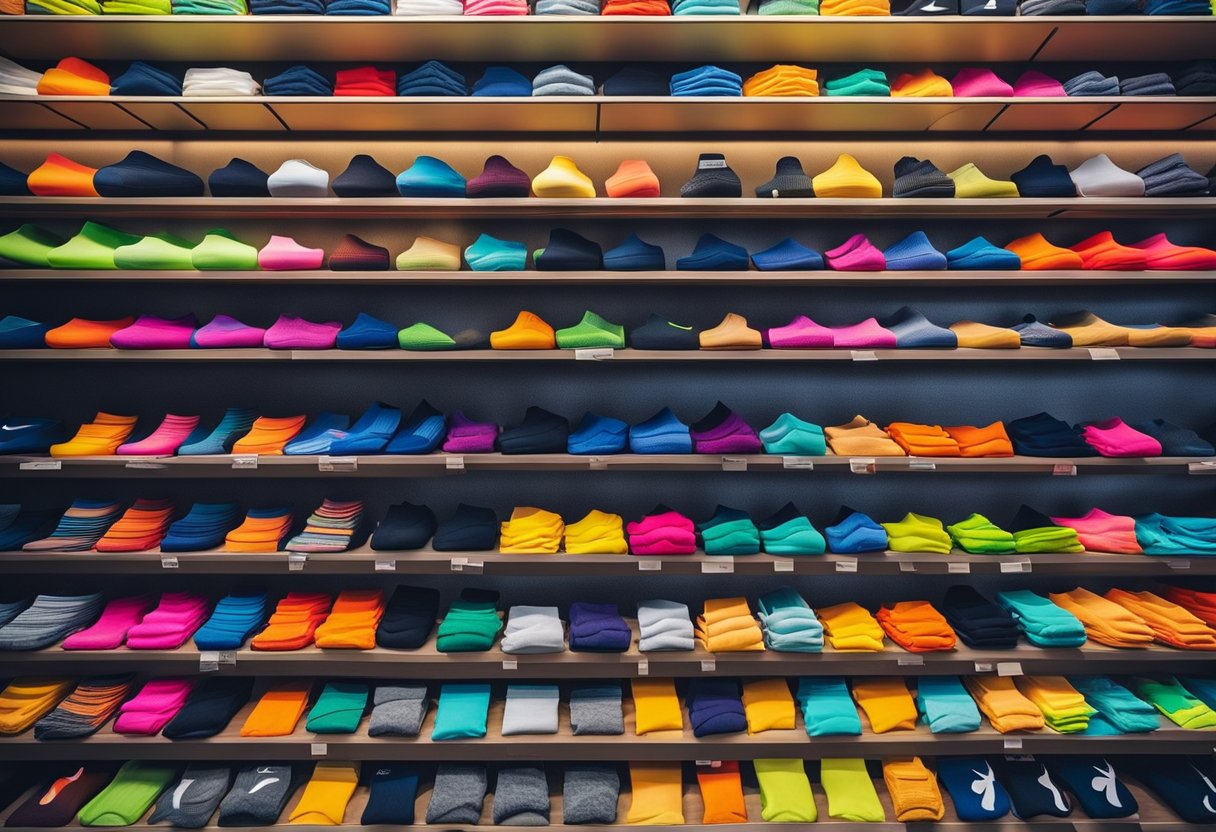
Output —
(979, 535)
(133, 789)
(785, 791)
(850, 791)
(794, 537)
(29, 245)
(220, 250)
(338, 709)
(1178, 704)
(158, 251)
(469, 626)
(1047, 539)
(424, 337)
(862, 82)
(917, 533)
(92, 248)
(790, 436)
(789, 7)
(591, 331)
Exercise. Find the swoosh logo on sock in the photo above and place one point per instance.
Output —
(1046, 782)
(263, 783)
(933, 7)
(985, 787)
(59, 785)
(15, 427)
(180, 792)
(1105, 782)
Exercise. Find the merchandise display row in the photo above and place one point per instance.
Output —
(844, 791)
(77, 77)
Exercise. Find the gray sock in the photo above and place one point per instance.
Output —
(530, 709)
(596, 709)
(460, 789)
(191, 801)
(398, 711)
(590, 793)
(258, 796)
(521, 797)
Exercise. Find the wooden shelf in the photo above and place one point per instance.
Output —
(33, 208)
(629, 355)
(363, 561)
(958, 279)
(428, 663)
(608, 114)
(740, 39)
(662, 745)
(1152, 817)
(438, 464)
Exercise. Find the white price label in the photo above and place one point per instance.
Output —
(338, 464)
(228, 657)
(320, 749)
(1064, 469)
(802, 463)
(710, 763)
(958, 568)
(454, 463)
(595, 354)
(1008, 668)
(41, 465)
(709, 665)
(510, 664)
(734, 463)
(386, 566)
(650, 565)
(983, 667)
(907, 566)
(910, 661)
(718, 566)
(864, 355)
(643, 667)
(168, 562)
(295, 563)
(1103, 354)
(245, 463)
(849, 565)
(922, 465)
(145, 465)
(208, 661)
(783, 566)
(1013, 743)
(1178, 564)
(1015, 566)
(1204, 467)
(862, 466)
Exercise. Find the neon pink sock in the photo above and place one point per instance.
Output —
(292, 333)
(980, 82)
(857, 254)
(171, 624)
(867, 334)
(800, 334)
(667, 533)
(163, 441)
(150, 710)
(1099, 531)
(152, 333)
(1034, 84)
(1116, 438)
(110, 631)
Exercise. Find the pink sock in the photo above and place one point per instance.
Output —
(171, 624)
(285, 254)
(1099, 531)
(857, 254)
(1114, 437)
(150, 710)
(800, 334)
(163, 441)
(868, 334)
(110, 631)
(980, 82)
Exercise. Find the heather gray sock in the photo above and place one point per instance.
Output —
(258, 796)
(596, 709)
(398, 710)
(191, 801)
(521, 797)
(530, 709)
(590, 793)
(460, 789)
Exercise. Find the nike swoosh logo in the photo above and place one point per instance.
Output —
(933, 7)
(180, 792)
(59, 785)
(261, 784)
(16, 427)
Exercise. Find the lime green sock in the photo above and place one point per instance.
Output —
(92, 248)
(158, 251)
(785, 791)
(424, 337)
(917, 533)
(29, 245)
(850, 791)
(133, 789)
(979, 535)
(591, 331)
(220, 250)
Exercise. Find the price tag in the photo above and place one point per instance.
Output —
(228, 657)
(245, 463)
(1015, 566)
(1205, 467)
(734, 463)
(983, 667)
(1064, 469)
(848, 565)
(331, 464)
(910, 661)
(650, 565)
(907, 566)
(454, 463)
(864, 355)
(1013, 743)
(922, 465)
(861, 466)
(596, 354)
(710, 763)
(709, 665)
(208, 661)
(1178, 564)
(802, 463)
(41, 465)
(386, 566)
(320, 749)
(1008, 668)
(958, 568)
(295, 563)
(464, 564)
(168, 562)
(1103, 354)
(145, 464)
(783, 566)
(718, 566)
(643, 667)
(597, 463)
(510, 664)
(1020, 758)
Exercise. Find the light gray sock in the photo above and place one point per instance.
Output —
(590, 793)
(532, 629)
(521, 797)
(191, 801)
(258, 796)
(596, 709)
(530, 709)
(664, 625)
(460, 789)
(398, 711)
